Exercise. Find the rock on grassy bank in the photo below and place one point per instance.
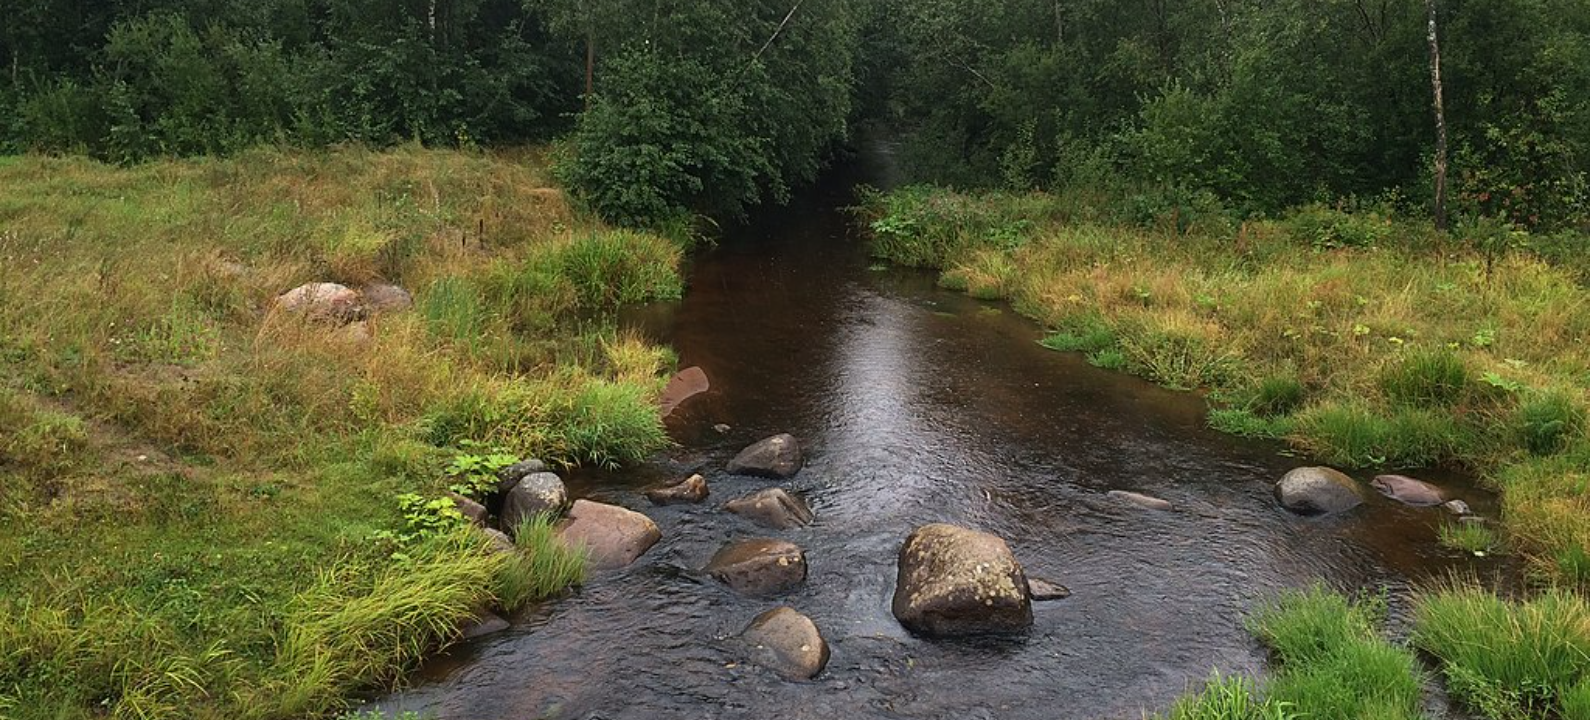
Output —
(209, 509)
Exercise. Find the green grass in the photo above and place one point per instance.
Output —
(542, 568)
(1430, 378)
(199, 510)
(1329, 663)
(1509, 660)
(1469, 537)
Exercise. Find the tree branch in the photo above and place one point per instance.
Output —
(778, 31)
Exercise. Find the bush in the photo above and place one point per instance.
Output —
(1325, 228)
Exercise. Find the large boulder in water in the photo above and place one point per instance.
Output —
(788, 643)
(1317, 491)
(759, 567)
(612, 536)
(776, 457)
(774, 507)
(956, 581)
(1408, 491)
(539, 493)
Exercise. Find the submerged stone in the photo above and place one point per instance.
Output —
(1408, 491)
(776, 508)
(692, 490)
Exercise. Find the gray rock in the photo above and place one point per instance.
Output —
(380, 299)
(1140, 500)
(1317, 491)
(500, 542)
(774, 507)
(612, 536)
(327, 302)
(759, 567)
(787, 643)
(1457, 507)
(482, 624)
(956, 581)
(1044, 591)
(511, 475)
(1408, 491)
(776, 457)
(721, 429)
(692, 490)
(473, 510)
(538, 494)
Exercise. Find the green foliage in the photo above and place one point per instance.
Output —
(616, 268)
(475, 476)
(1227, 698)
(1506, 660)
(1246, 423)
(1433, 378)
(1326, 228)
(1353, 435)
(1277, 395)
(542, 567)
(1549, 421)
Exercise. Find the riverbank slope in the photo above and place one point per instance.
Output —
(210, 507)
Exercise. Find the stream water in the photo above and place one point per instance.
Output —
(917, 405)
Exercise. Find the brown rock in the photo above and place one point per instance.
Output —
(482, 624)
(474, 511)
(1408, 491)
(1044, 591)
(381, 299)
(956, 581)
(774, 508)
(689, 383)
(692, 490)
(788, 643)
(776, 457)
(1140, 500)
(613, 536)
(759, 567)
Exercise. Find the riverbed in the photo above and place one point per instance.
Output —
(918, 405)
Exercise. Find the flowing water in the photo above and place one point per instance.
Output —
(918, 405)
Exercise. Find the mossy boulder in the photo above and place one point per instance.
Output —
(957, 581)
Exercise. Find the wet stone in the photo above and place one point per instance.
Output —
(759, 567)
(775, 508)
(787, 643)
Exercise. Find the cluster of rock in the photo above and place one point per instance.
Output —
(1324, 491)
(342, 307)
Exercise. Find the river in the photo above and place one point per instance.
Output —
(918, 405)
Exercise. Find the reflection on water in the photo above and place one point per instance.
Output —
(916, 405)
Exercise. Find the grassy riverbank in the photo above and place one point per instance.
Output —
(1364, 341)
(200, 500)
(1361, 340)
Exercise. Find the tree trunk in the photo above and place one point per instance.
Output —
(590, 67)
(1059, 24)
(1440, 121)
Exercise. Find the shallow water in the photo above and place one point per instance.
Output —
(917, 405)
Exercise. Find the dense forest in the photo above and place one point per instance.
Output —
(712, 106)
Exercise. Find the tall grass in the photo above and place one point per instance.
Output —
(1509, 660)
(542, 568)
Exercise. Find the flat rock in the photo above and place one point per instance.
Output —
(1408, 491)
(759, 567)
(540, 493)
(1317, 491)
(474, 511)
(1140, 500)
(692, 490)
(1045, 591)
(787, 643)
(328, 302)
(777, 457)
(689, 383)
(381, 298)
(957, 581)
(510, 476)
(483, 624)
(776, 508)
(612, 536)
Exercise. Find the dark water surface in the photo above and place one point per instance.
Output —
(918, 405)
